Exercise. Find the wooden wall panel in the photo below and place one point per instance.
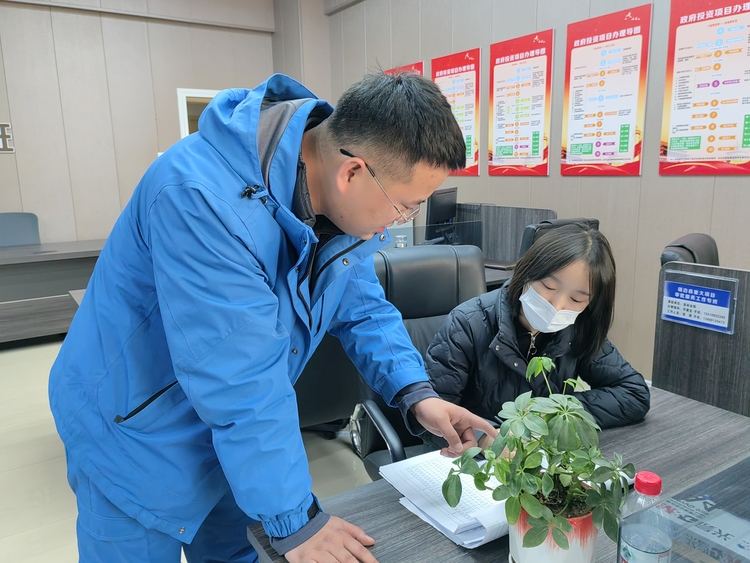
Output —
(336, 36)
(729, 218)
(88, 121)
(135, 6)
(316, 48)
(131, 100)
(171, 68)
(252, 58)
(378, 34)
(10, 193)
(614, 201)
(213, 64)
(355, 64)
(34, 99)
(406, 29)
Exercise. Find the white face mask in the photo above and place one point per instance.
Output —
(542, 316)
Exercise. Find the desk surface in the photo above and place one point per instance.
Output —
(50, 251)
(682, 440)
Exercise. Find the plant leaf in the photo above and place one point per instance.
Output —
(547, 364)
(547, 513)
(565, 479)
(529, 483)
(469, 466)
(518, 428)
(479, 481)
(452, 490)
(629, 470)
(593, 498)
(560, 538)
(568, 439)
(563, 523)
(531, 505)
(547, 485)
(536, 424)
(500, 493)
(522, 401)
(600, 475)
(610, 525)
(512, 510)
(534, 460)
(498, 445)
(471, 453)
(598, 516)
(515, 485)
(544, 405)
(535, 536)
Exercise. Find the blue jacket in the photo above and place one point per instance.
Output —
(175, 380)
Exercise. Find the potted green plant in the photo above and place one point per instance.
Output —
(547, 466)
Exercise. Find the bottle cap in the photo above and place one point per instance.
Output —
(648, 483)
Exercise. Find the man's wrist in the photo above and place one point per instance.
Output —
(317, 519)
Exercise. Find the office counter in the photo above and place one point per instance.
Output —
(682, 440)
(35, 282)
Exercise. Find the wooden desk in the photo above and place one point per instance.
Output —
(682, 440)
(35, 282)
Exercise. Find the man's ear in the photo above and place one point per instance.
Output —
(346, 173)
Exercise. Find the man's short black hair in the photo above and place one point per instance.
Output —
(398, 121)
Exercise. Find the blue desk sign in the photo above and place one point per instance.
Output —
(704, 307)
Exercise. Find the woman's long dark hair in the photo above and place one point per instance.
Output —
(557, 249)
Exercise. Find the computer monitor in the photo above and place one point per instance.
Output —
(441, 212)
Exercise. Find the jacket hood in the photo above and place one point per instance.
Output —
(230, 123)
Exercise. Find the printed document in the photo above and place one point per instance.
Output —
(478, 519)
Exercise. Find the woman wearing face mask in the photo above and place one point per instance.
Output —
(559, 304)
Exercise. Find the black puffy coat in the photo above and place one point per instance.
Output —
(474, 361)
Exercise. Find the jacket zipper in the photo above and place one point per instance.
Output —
(139, 408)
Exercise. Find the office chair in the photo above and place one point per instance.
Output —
(425, 283)
(532, 232)
(17, 229)
(697, 248)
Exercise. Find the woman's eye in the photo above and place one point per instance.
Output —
(548, 288)
(576, 301)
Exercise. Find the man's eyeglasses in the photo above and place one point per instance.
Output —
(407, 215)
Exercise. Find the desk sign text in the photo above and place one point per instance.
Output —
(703, 307)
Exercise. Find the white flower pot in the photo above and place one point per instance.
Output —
(582, 543)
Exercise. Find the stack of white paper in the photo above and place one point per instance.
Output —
(476, 520)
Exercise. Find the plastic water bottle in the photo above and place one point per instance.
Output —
(644, 528)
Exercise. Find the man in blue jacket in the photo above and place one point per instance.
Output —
(241, 246)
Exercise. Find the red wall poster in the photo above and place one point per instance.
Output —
(457, 76)
(604, 109)
(415, 67)
(520, 96)
(706, 120)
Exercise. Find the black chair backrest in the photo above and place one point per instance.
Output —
(697, 248)
(532, 232)
(424, 283)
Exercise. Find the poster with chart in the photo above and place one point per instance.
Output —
(417, 68)
(457, 76)
(706, 118)
(520, 88)
(604, 110)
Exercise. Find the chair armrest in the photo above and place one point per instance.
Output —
(384, 428)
